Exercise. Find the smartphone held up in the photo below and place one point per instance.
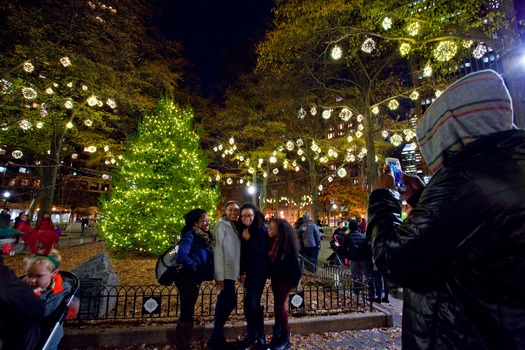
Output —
(395, 168)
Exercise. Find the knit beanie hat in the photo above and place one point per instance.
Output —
(306, 216)
(474, 106)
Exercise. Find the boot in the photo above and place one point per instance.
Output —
(247, 341)
(276, 337)
(184, 336)
(283, 341)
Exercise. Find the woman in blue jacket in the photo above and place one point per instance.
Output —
(196, 256)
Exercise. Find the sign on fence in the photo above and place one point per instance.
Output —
(296, 300)
(151, 305)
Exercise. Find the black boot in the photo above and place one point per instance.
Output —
(276, 337)
(184, 336)
(283, 341)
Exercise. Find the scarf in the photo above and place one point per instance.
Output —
(206, 236)
(274, 248)
(476, 105)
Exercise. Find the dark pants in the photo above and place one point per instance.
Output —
(226, 302)
(188, 293)
(20, 338)
(281, 290)
(312, 254)
(253, 311)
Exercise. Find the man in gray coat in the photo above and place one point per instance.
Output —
(311, 238)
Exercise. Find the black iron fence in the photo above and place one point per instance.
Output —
(329, 289)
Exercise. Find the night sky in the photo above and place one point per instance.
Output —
(219, 37)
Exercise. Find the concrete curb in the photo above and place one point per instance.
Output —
(165, 334)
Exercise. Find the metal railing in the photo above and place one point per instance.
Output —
(329, 290)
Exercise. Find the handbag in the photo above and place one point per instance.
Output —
(167, 268)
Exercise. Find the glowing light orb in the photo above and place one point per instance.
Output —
(479, 51)
(49, 91)
(327, 114)
(39, 125)
(69, 125)
(299, 142)
(313, 110)
(289, 145)
(414, 95)
(368, 45)
(438, 93)
(88, 122)
(111, 103)
(29, 93)
(445, 51)
(387, 23)
(25, 124)
(336, 53)
(404, 49)
(427, 71)
(300, 152)
(413, 29)
(358, 134)
(68, 104)
(467, 43)
(396, 140)
(345, 114)
(273, 159)
(359, 118)
(384, 133)
(275, 171)
(65, 61)
(341, 172)
(375, 109)
(320, 187)
(17, 154)
(229, 181)
(92, 101)
(28, 67)
(301, 113)
(360, 127)
(393, 104)
(84, 87)
(90, 149)
(350, 138)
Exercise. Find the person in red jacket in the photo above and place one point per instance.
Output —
(46, 236)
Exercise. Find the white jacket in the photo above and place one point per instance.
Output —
(227, 251)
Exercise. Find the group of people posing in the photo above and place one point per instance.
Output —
(242, 248)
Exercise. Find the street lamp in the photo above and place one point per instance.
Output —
(251, 190)
(7, 194)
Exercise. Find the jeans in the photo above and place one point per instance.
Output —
(281, 290)
(226, 302)
(188, 293)
(366, 267)
(253, 311)
(312, 254)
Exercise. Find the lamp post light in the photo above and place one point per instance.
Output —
(7, 194)
(252, 191)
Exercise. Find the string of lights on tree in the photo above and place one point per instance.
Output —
(43, 94)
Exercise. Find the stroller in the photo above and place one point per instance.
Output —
(68, 309)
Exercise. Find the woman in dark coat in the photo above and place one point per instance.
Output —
(255, 270)
(196, 256)
(285, 273)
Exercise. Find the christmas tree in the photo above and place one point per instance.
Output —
(161, 177)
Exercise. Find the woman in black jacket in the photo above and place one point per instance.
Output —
(286, 273)
(255, 270)
(196, 256)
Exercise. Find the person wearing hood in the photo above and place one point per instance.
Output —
(227, 265)
(459, 254)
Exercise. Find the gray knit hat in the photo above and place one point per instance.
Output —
(474, 106)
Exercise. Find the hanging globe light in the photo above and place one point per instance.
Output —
(299, 142)
(289, 145)
(336, 53)
(438, 93)
(360, 127)
(427, 71)
(17, 154)
(89, 122)
(341, 172)
(301, 113)
(393, 104)
(327, 113)
(387, 23)
(479, 51)
(349, 138)
(25, 124)
(69, 125)
(313, 110)
(445, 50)
(29, 93)
(320, 187)
(345, 114)
(404, 49)
(375, 110)
(275, 171)
(358, 134)
(396, 140)
(384, 133)
(39, 125)
(368, 45)
(359, 118)
(413, 29)
(414, 95)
